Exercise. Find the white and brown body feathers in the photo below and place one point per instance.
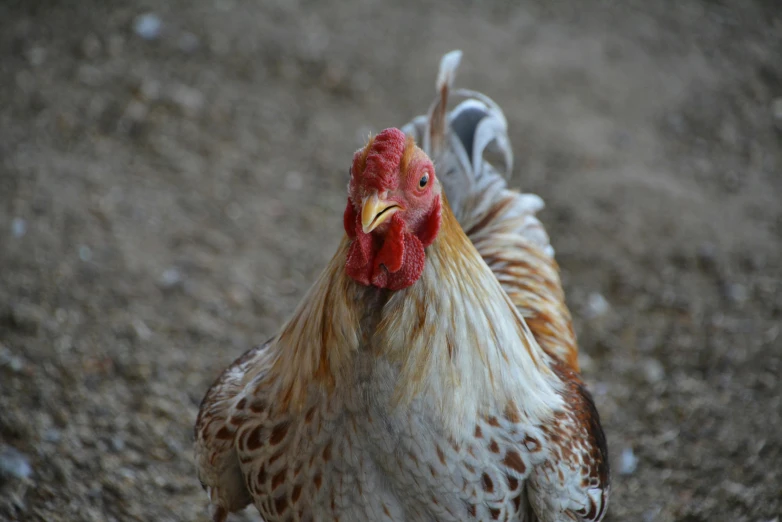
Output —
(431, 403)
(500, 222)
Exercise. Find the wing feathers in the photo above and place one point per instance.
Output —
(216, 460)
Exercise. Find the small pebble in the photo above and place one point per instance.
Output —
(142, 330)
(36, 56)
(95, 493)
(85, 253)
(729, 134)
(737, 293)
(170, 278)
(90, 46)
(90, 75)
(707, 255)
(52, 435)
(136, 112)
(117, 443)
(16, 364)
(26, 317)
(127, 473)
(224, 5)
(586, 363)
(294, 181)
(234, 211)
(149, 89)
(651, 514)
(597, 306)
(238, 295)
(622, 139)
(188, 42)
(173, 445)
(677, 123)
(133, 118)
(61, 315)
(776, 112)
(187, 99)
(14, 463)
(653, 370)
(223, 192)
(288, 287)
(115, 45)
(734, 488)
(148, 26)
(18, 227)
(628, 462)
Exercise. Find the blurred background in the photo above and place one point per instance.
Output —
(172, 180)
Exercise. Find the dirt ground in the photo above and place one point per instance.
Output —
(165, 202)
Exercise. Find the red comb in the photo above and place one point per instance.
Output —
(383, 159)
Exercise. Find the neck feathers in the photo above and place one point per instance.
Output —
(458, 340)
(461, 343)
(322, 334)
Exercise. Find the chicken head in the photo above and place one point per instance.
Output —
(392, 213)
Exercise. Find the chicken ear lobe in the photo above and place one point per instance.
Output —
(431, 225)
(434, 137)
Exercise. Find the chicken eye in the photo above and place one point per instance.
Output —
(424, 180)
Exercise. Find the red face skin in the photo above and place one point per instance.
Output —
(391, 174)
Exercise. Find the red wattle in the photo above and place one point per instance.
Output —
(349, 220)
(431, 225)
(393, 250)
(412, 265)
(396, 263)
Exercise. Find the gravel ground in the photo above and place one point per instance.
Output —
(172, 178)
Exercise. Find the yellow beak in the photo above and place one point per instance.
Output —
(375, 212)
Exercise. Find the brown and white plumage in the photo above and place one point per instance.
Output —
(500, 222)
(435, 401)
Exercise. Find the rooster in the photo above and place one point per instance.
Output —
(430, 372)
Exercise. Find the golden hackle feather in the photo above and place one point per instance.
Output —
(454, 321)
(501, 223)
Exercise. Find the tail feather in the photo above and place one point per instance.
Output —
(501, 223)
(445, 78)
